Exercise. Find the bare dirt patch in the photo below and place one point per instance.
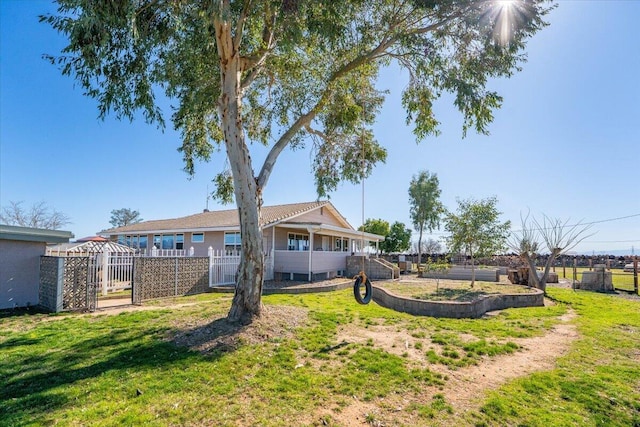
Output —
(467, 385)
(204, 335)
(464, 388)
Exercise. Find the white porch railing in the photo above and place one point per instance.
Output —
(223, 267)
(167, 252)
(320, 262)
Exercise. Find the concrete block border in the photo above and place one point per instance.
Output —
(454, 309)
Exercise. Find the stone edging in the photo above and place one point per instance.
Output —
(456, 310)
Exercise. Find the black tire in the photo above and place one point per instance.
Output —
(367, 293)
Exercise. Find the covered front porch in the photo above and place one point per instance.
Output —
(316, 251)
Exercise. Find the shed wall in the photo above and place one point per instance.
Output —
(19, 272)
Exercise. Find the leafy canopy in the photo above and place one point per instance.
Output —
(124, 216)
(375, 226)
(307, 69)
(424, 201)
(398, 239)
(475, 228)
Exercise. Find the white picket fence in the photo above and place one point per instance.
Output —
(114, 271)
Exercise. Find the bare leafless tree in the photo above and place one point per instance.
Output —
(551, 235)
(39, 215)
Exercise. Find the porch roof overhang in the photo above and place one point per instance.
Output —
(332, 230)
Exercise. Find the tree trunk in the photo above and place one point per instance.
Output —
(533, 275)
(542, 284)
(473, 270)
(248, 289)
(420, 250)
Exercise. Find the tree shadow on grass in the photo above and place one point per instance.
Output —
(34, 378)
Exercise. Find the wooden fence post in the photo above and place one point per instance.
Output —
(635, 276)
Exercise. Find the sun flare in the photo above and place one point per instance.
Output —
(505, 16)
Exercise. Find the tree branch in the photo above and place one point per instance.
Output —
(240, 25)
(255, 61)
(305, 119)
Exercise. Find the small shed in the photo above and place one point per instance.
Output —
(20, 252)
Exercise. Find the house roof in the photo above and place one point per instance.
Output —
(29, 234)
(226, 219)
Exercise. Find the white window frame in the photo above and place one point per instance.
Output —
(197, 234)
(297, 237)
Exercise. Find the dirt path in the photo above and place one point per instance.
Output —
(466, 387)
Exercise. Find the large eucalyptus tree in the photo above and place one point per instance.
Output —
(284, 73)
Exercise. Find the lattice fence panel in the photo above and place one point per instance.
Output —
(193, 275)
(48, 290)
(167, 277)
(75, 290)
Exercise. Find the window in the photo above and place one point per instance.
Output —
(167, 241)
(342, 245)
(232, 241)
(179, 241)
(197, 238)
(157, 239)
(135, 241)
(298, 242)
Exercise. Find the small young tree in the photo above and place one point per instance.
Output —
(124, 216)
(398, 239)
(39, 215)
(425, 206)
(475, 230)
(552, 235)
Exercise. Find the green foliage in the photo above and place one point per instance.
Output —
(425, 206)
(375, 226)
(424, 201)
(398, 239)
(475, 228)
(307, 68)
(124, 216)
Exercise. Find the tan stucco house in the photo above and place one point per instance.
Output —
(304, 240)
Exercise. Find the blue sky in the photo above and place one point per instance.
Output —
(565, 142)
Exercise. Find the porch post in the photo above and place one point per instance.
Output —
(310, 253)
(273, 249)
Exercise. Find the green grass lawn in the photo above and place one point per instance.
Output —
(127, 369)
